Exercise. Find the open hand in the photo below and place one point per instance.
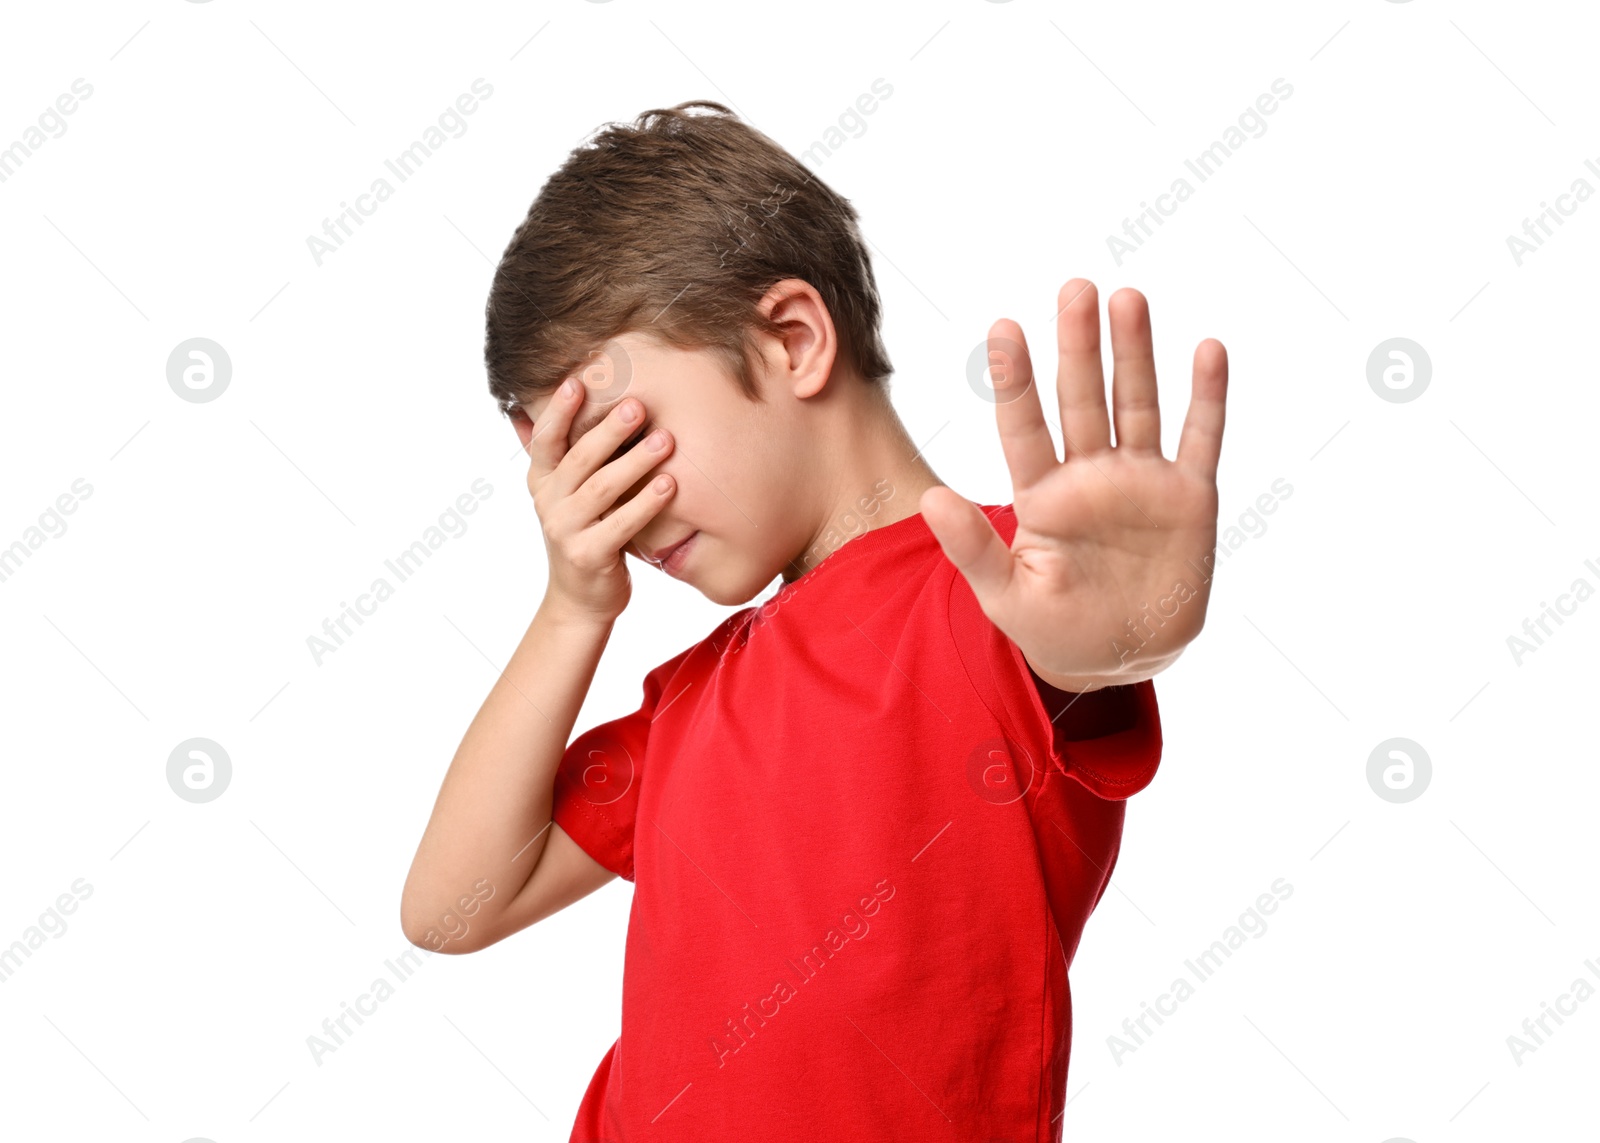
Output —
(1108, 575)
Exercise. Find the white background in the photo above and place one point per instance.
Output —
(219, 535)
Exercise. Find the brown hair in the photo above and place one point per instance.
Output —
(675, 225)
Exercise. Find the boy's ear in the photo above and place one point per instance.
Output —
(810, 341)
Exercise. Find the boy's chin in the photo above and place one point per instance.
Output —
(731, 592)
(725, 596)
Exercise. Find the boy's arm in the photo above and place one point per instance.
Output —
(491, 860)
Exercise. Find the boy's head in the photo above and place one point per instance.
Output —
(688, 261)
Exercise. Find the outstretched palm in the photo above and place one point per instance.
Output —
(1108, 575)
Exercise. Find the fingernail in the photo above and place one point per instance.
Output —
(630, 412)
(656, 441)
(569, 388)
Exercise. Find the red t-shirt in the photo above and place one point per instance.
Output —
(862, 858)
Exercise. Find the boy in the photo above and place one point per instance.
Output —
(867, 820)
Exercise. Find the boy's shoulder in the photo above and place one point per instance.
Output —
(885, 572)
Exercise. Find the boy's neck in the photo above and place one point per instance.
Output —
(878, 479)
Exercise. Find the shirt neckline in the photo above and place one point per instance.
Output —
(888, 537)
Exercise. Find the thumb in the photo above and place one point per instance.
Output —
(969, 541)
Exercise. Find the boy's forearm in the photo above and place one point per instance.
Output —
(489, 822)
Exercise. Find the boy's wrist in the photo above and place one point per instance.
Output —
(562, 612)
(1084, 684)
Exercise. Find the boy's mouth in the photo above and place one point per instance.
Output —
(671, 558)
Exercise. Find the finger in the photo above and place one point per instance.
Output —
(619, 528)
(1200, 446)
(1080, 383)
(548, 441)
(624, 421)
(1030, 452)
(969, 541)
(629, 468)
(1133, 373)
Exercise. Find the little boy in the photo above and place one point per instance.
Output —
(867, 820)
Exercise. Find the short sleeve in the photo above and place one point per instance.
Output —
(596, 793)
(1107, 740)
